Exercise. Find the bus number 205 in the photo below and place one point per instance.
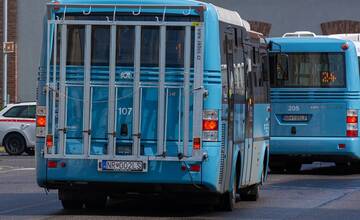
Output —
(293, 108)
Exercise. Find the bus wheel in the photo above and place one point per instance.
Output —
(72, 204)
(228, 199)
(250, 193)
(97, 203)
(14, 144)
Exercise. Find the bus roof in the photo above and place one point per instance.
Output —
(224, 15)
(319, 43)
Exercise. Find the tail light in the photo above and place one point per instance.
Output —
(40, 121)
(52, 164)
(352, 123)
(210, 125)
(197, 143)
(195, 168)
(49, 141)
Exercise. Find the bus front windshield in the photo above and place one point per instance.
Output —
(307, 70)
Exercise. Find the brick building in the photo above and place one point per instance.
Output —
(273, 18)
(12, 57)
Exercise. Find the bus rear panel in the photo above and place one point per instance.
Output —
(314, 96)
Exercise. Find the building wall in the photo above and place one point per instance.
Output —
(30, 27)
(12, 58)
(283, 15)
(294, 15)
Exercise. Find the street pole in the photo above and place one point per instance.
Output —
(5, 60)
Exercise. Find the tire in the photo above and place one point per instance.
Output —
(250, 193)
(72, 204)
(14, 144)
(98, 203)
(228, 199)
(30, 151)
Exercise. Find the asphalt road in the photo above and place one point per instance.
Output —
(320, 191)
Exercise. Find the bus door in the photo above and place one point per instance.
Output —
(249, 122)
(230, 90)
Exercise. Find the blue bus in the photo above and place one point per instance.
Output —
(315, 93)
(151, 97)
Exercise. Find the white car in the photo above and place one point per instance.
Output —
(17, 128)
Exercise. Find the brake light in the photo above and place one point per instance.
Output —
(49, 141)
(210, 125)
(41, 121)
(352, 123)
(195, 168)
(351, 119)
(52, 164)
(196, 143)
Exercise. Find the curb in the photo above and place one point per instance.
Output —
(2, 150)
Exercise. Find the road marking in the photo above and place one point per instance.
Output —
(6, 169)
(27, 207)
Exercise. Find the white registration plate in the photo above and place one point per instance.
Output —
(122, 165)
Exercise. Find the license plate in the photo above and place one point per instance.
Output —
(122, 165)
(295, 118)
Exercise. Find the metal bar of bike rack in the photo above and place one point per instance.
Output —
(54, 85)
(111, 105)
(122, 23)
(187, 63)
(136, 93)
(188, 8)
(86, 102)
(198, 82)
(161, 92)
(48, 61)
(62, 96)
(179, 121)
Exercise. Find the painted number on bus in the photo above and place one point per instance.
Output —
(293, 108)
(125, 111)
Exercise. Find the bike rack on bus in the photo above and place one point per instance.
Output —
(197, 86)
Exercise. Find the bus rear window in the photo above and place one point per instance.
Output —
(307, 70)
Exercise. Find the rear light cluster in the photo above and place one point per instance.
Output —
(40, 121)
(210, 125)
(352, 123)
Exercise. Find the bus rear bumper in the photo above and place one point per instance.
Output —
(310, 149)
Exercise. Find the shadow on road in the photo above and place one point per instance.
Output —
(323, 169)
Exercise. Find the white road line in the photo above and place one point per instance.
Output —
(8, 170)
(27, 207)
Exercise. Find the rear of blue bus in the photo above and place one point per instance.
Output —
(121, 101)
(315, 96)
